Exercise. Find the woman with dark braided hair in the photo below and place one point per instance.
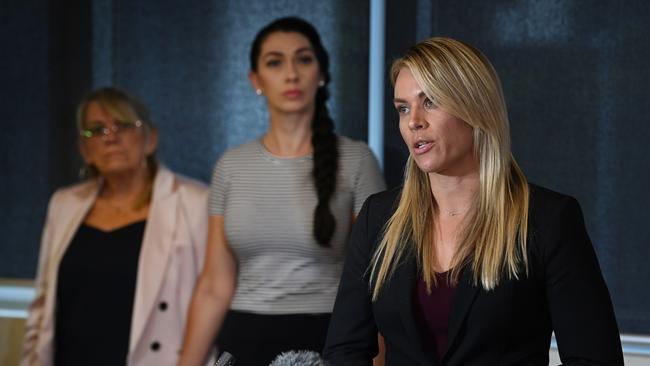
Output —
(281, 208)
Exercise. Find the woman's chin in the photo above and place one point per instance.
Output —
(427, 166)
(117, 170)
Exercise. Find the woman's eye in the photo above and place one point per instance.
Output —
(305, 60)
(273, 63)
(429, 104)
(402, 109)
(96, 130)
(123, 125)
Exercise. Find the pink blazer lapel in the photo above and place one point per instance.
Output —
(71, 215)
(157, 243)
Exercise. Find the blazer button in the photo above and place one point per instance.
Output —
(162, 306)
(155, 346)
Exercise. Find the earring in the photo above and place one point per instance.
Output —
(83, 172)
(321, 83)
(258, 91)
(87, 170)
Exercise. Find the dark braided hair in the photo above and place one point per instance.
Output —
(323, 138)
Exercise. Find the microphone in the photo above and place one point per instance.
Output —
(298, 358)
(226, 359)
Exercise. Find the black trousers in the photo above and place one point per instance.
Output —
(256, 339)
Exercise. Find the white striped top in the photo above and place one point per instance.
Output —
(268, 207)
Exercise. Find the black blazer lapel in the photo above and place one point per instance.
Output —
(463, 300)
(405, 278)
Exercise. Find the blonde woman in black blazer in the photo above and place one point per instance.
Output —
(467, 263)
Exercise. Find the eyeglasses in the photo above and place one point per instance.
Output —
(119, 127)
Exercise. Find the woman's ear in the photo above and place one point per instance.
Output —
(83, 150)
(152, 141)
(255, 82)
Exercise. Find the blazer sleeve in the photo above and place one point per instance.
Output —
(352, 335)
(579, 303)
(37, 306)
(195, 206)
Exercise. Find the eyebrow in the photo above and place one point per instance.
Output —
(303, 49)
(421, 95)
(94, 122)
(280, 54)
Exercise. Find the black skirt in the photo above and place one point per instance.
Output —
(256, 339)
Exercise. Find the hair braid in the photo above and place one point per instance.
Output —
(325, 168)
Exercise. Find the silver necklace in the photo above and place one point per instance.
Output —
(455, 213)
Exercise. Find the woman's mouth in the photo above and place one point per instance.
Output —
(293, 94)
(422, 146)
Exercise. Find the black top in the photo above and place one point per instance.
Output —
(432, 311)
(95, 292)
(510, 325)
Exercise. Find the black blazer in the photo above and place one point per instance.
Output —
(510, 325)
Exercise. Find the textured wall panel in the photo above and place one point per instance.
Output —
(190, 64)
(188, 61)
(24, 134)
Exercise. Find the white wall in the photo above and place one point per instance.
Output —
(629, 359)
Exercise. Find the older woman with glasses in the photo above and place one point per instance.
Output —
(120, 251)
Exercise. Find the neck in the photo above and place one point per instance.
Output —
(454, 194)
(125, 187)
(289, 135)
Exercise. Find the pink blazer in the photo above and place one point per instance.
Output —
(171, 258)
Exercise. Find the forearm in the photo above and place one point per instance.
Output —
(28, 354)
(207, 312)
(380, 359)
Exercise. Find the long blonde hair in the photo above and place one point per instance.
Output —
(461, 80)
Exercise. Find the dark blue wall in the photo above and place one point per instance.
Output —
(574, 75)
(44, 67)
(187, 60)
(24, 133)
(190, 63)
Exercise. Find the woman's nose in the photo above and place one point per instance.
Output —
(416, 121)
(292, 72)
(110, 133)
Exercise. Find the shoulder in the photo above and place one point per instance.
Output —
(87, 186)
(556, 223)
(385, 201)
(74, 193)
(352, 149)
(357, 161)
(547, 205)
(181, 180)
(233, 159)
(190, 187)
(242, 151)
(169, 182)
(379, 207)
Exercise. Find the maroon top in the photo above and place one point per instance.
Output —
(432, 313)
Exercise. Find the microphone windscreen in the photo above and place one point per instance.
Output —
(226, 359)
(298, 358)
